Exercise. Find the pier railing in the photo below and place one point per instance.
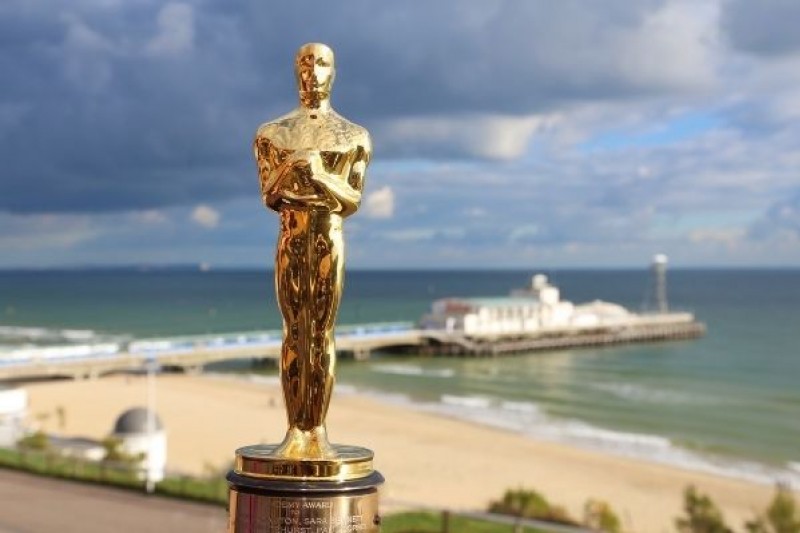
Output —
(191, 353)
(188, 352)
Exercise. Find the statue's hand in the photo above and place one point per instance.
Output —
(310, 165)
(299, 187)
(305, 159)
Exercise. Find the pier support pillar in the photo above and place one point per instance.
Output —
(193, 370)
(88, 375)
(361, 354)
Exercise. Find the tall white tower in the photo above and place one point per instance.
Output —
(659, 272)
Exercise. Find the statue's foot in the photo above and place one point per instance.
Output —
(306, 445)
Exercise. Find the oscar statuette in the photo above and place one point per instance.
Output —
(311, 165)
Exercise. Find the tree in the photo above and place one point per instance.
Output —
(529, 504)
(115, 453)
(34, 441)
(599, 516)
(702, 514)
(782, 515)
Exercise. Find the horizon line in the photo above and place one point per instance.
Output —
(192, 267)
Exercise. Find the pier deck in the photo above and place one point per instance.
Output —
(192, 353)
(461, 346)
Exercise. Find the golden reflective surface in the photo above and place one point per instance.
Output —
(311, 165)
(345, 513)
(264, 461)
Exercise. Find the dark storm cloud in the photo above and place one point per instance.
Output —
(767, 27)
(109, 105)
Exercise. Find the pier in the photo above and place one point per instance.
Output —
(456, 345)
(192, 353)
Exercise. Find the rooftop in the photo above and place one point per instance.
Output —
(500, 301)
(135, 421)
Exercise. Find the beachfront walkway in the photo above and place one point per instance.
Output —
(32, 504)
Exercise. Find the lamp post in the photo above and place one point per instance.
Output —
(151, 366)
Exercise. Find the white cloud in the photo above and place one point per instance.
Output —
(476, 212)
(675, 46)
(524, 232)
(150, 216)
(410, 235)
(175, 30)
(499, 137)
(380, 203)
(205, 216)
(81, 37)
(728, 237)
(86, 56)
(45, 231)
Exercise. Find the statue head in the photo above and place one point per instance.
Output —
(314, 69)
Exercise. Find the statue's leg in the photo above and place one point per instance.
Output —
(309, 270)
(328, 265)
(290, 286)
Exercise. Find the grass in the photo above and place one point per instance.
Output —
(54, 465)
(416, 522)
(203, 490)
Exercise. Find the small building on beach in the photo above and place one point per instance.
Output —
(141, 432)
(13, 410)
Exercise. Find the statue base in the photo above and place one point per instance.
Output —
(272, 494)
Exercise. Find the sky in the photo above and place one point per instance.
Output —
(506, 134)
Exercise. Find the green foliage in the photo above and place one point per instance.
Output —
(782, 515)
(757, 525)
(34, 441)
(55, 465)
(421, 522)
(115, 454)
(530, 504)
(113, 449)
(702, 514)
(599, 516)
(212, 490)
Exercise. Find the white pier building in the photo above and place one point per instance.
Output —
(536, 310)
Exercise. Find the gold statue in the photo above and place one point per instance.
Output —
(311, 164)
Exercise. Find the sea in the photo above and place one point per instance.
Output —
(728, 403)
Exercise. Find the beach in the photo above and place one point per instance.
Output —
(427, 459)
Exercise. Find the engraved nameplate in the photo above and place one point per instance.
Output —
(253, 513)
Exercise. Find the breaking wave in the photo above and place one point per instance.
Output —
(639, 393)
(413, 370)
(39, 334)
(529, 419)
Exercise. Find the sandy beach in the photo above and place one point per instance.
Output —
(427, 459)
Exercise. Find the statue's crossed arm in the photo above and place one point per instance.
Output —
(337, 189)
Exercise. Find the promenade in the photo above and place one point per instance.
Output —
(32, 504)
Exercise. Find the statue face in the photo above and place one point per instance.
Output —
(314, 69)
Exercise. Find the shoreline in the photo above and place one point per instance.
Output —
(428, 459)
(602, 441)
